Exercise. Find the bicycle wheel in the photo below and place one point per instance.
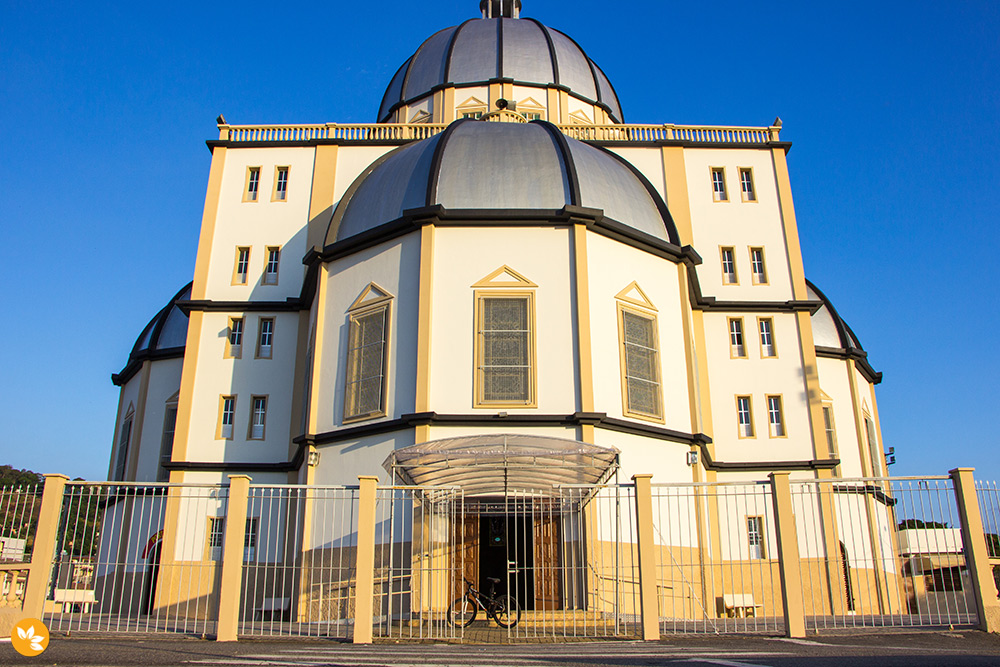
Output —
(462, 612)
(506, 611)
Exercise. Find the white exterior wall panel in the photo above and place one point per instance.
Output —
(164, 382)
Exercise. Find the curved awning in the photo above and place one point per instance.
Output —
(497, 463)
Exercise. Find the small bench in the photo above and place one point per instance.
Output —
(70, 597)
(738, 605)
(270, 606)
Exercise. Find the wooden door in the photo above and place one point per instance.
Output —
(466, 541)
(548, 563)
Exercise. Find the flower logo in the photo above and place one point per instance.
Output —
(30, 637)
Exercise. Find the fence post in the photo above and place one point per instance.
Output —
(364, 590)
(647, 567)
(232, 558)
(44, 547)
(976, 554)
(788, 555)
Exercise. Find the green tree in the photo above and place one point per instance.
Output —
(910, 524)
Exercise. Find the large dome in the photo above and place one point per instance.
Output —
(476, 165)
(163, 338)
(481, 50)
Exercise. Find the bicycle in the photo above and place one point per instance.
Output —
(503, 608)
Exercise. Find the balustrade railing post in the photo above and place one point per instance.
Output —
(44, 548)
(648, 603)
(788, 555)
(232, 558)
(977, 557)
(364, 589)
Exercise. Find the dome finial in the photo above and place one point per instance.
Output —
(496, 9)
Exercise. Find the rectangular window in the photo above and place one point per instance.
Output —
(167, 441)
(757, 268)
(216, 536)
(746, 184)
(719, 184)
(366, 360)
(253, 184)
(729, 266)
(280, 184)
(271, 267)
(258, 417)
(873, 447)
(775, 418)
(227, 413)
(831, 435)
(766, 327)
(250, 540)
(123, 442)
(476, 115)
(234, 341)
(531, 115)
(505, 354)
(242, 267)
(744, 416)
(737, 349)
(755, 537)
(641, 365)
(265, 336)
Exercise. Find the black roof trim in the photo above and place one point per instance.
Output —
(552, 50)
(413, 58)
(435, 171)
(133, 366)
(292, 303)
(447, 56)
(843, 331)
(500, 47)
(860, 358)
(567, 156)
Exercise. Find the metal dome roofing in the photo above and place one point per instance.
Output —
(481, 165)
(164, 337)
(829, 328)
(481, 50)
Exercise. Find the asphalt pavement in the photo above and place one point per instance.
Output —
(960, 649)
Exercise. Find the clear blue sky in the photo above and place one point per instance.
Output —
(893, 108)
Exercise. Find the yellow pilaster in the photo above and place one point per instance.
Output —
(582, 295)
(976, 554)
(45, 545)
(788, 555)
(424, 314)
(365, 588)
(232, 558)
(648, 602)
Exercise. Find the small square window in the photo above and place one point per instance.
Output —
(744, 416)
(258, 417)
(746, 184)
(271, 267)
(737, 348)
(252, 189)
(234, 338)
(757, 267)
(765, 325)
(227, 414)
(280, 184)
(729, 276)
(265, 337)
(775, 418)
(241, 268)
(474, 115)
(719, 184)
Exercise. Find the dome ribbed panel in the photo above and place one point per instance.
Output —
(608, 95)
(608, 184)
(390, 187)
(394, 92)
(174, 330)
(574, 66)
(502, 165)
(428, 64)
(526, 54)
(475, 56)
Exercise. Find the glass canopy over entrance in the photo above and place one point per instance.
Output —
(494, 464)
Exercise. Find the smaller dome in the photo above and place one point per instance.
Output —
(483, 50)
(829, 328)
(476, 165)
(163, 338)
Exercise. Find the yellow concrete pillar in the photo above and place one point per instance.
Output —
(45, 546)
(364, 591)
(788, 555)
(648, 602)
(232, 558)
(976, 555)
